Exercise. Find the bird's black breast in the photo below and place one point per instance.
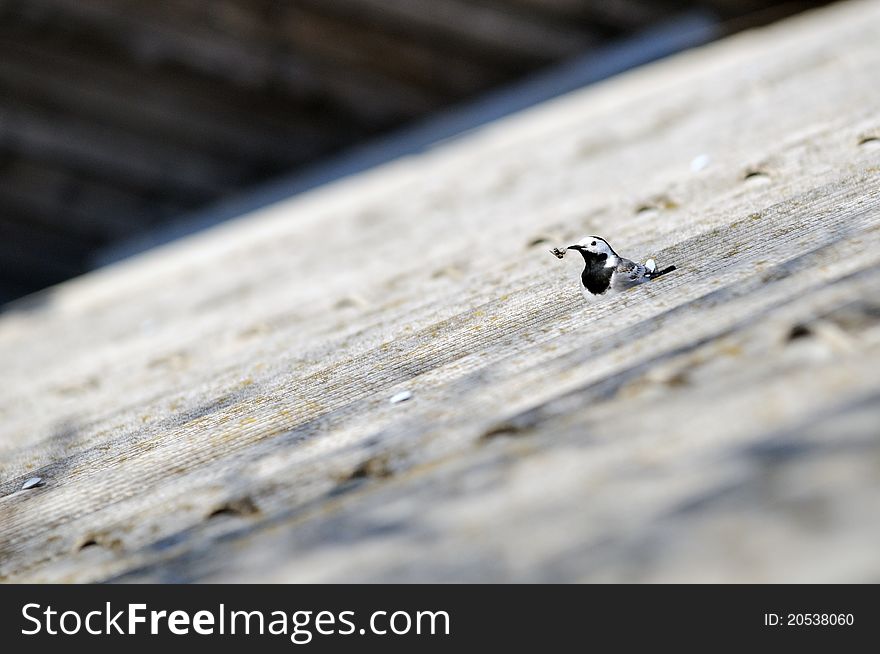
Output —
(596, 277)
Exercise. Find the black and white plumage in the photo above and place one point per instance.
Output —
(607, 273)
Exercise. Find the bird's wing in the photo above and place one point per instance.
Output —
(630, 269)
(628, 273)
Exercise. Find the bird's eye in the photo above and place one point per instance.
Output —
(593, 243)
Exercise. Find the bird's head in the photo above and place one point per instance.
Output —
(592, 245)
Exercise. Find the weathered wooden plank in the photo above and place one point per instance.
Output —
(717, 424)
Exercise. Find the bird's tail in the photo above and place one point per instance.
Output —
(657, 273)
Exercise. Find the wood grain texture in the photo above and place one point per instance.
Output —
(182, 104)
(219, 409)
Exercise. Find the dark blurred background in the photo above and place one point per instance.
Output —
(120, 117)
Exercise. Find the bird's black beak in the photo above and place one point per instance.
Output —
(574, 247)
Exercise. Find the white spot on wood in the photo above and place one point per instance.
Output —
(700, 162)
(402, 396)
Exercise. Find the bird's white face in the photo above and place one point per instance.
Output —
(595, 245)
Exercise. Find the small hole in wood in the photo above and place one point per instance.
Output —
(869, 142)
(91, 542)
(799, 331)
(345, 303)
(455, 271)
(756, 177)
(500, 430)
(376, 467)
(244, 506)
(677, 379)
(647, 211)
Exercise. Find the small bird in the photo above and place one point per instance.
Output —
(607, 273)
